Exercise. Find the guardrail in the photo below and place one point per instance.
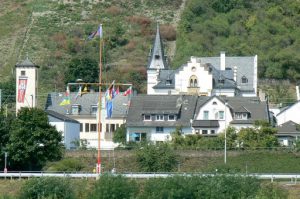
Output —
(272, 177)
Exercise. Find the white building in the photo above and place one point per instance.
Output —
(206, 76)
(290, 113)
(26, 84)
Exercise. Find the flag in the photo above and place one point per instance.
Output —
(66, 100)
(79, 92)
(109, 108)
(96, 33)
(128, 91)
(115, 92)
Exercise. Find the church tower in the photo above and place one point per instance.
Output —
(157, 61)
(26, 84)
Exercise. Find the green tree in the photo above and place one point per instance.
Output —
(156, 158)
(47, 187)
(120, 134)
(5, 125)
(114, 187)
(84, 68)
(33, 141)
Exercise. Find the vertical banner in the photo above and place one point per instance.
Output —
(22, 90)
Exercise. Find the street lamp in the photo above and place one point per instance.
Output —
(225, 142)
(5, 162)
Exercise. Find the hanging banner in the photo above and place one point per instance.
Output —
(22, 90)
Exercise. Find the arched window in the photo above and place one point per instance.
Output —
(193, 81)
(244, 80)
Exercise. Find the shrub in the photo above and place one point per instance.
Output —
(114, 187)
(47, 187)
(69, 164)
(156, 158)
(271, 191)
(168, 32)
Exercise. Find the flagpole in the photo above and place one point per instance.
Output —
(99, 103)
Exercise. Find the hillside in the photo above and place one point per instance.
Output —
(54, 35)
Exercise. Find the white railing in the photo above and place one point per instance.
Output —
(11, 175)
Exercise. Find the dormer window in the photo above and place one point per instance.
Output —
(75, 109)
(94, 109)
(244, 80)
(147, 117)
(159, 117)
(241, 116)
(168, 82)
(156, 56)
(171, 118)
(221, 81)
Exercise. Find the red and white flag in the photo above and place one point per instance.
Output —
(22, 90)
(128, 91)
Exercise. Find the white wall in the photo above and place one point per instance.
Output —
(213, 109)
(291, 113)
(31, 87)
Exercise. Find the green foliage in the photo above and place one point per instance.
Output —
(156, 158)
(114, 187)
(33, 141)
(120, 134)
(8, 91)
(66, 165)
(47, 187)
(271, 191)
(218, 187)
(84, 68)
(243, 28)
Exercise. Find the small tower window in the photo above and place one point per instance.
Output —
(23, 72)
(244, 80)
(156, 56)
(193, 81)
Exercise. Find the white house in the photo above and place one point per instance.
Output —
(67, 126)
(155, 117)
(289, 113)
(206, 76)
(84, 110)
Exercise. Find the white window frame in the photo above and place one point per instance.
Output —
(219, 113)
(206, 117)
(93, 107)
(159, 117)
(161, 129)
(77, 106)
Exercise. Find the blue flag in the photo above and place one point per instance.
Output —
(109, 108)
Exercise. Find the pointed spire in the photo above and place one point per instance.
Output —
(157, 58)
(27, 63)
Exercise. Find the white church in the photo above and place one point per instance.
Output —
(202, 76)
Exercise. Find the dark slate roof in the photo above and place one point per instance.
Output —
(241, 109)
(206, 123)
(26, 63)
(86, 101)
(245, 67)
(60, 116)
(157, 50)
(167, 80)
(288, 127)
(181, 105)
(253, 105)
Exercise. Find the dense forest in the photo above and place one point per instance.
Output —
(267, 28)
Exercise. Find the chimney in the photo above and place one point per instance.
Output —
(222, 60)
(297, 92)
(234, 73)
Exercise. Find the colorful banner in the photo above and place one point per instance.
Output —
(22, 90)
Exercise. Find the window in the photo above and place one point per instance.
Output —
(107, 128)
(94, 109)
(81, 127)
(159, 129)
(221, 81)
(168, 82)
(241, 116)
(171, 118)
(75, 109)
(159, 117)
(87, 127)
(204, 132)
(221, 115)
(112, 127)
(23, 72)
(244, 80)
(214, 103)
(212, 131)
(137, 137)
(147, 117)
(193, 81)
(197, 131)
(205, 115)
(156, 56)
(93, 127)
